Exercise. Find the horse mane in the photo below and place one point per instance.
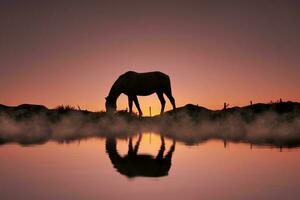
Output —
(115, 89)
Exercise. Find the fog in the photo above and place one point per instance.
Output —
(268, 128)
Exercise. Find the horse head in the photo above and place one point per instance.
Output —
(110, 105)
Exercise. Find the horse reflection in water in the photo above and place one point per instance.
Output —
(134, 165)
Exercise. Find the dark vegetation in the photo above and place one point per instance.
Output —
(275, 124)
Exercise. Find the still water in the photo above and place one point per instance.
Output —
(147, 167)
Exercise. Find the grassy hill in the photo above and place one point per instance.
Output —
(275, 124)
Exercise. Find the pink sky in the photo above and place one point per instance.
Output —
(61, 53)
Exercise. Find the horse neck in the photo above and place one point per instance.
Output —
(114, 92)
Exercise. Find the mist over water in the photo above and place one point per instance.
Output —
(268, 128)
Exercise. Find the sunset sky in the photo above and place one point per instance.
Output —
(71, 52)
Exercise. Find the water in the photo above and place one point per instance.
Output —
(85, 169)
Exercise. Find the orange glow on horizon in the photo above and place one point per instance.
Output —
(73, 56)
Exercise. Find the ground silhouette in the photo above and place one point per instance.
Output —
(274, 124)
(135, 84)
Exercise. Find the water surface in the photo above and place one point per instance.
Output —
(84, 169)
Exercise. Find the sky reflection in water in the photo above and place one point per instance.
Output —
(85, 170)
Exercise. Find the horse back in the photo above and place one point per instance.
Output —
(147, 83)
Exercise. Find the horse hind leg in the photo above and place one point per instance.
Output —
(162, 101)
(171, 98)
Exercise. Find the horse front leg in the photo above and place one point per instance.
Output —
(130, 101)
(136, 101)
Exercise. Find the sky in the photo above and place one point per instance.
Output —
(71, 52)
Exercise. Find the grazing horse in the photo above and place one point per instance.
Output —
(135, 84)
(134, 164)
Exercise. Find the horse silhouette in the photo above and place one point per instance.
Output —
(135, 84)
(134, 165)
